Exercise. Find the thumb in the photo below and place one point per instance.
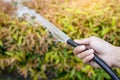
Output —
(83, 41)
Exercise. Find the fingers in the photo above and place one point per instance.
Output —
(85, 55)
(79, 49)
(88, 58)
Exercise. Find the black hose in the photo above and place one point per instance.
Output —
(99, 61)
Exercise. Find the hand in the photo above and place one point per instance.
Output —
(109, 53)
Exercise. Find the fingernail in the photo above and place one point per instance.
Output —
(82, 47)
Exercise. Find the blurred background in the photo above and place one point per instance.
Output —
(28, 52)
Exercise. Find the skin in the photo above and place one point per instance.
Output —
(109, 53)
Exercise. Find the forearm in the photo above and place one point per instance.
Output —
(116, 56)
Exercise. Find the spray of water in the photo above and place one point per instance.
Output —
(34, 18)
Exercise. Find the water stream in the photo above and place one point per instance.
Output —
(30, 15)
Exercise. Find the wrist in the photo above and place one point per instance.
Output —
(116, 56)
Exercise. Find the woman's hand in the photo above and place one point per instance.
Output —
(109, 53)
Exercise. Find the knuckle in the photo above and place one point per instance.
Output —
(88, 58)
(83, 54)
(82, 47)
(75, 50)
(91, 51)
(91, 56)
(92, 37)
(88, 52)
(79, 56)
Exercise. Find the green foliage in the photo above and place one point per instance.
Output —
(32, 52)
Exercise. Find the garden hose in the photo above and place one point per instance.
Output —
(58, 34)
(99, 61)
